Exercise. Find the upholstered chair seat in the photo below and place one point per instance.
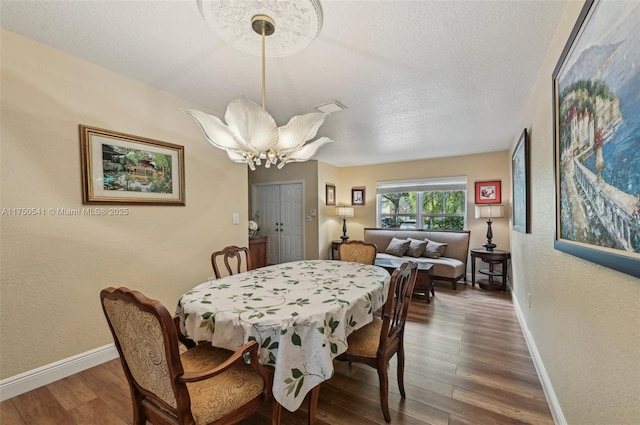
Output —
(208, 404)
(366, 340)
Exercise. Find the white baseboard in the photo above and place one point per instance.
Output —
(30, 380)
(552, 400)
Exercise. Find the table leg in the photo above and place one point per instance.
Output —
(431, 285)
(473, 271)
(313, 404)
(505, 273)
(276, 412)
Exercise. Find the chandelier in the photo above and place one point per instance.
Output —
(251, 135)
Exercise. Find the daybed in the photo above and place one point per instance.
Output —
(449, 263)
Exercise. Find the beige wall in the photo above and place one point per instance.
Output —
(584, 318)
(329, 226)
(307, 173)
(489, 166)
(53, 267)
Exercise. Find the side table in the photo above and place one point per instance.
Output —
(491, 258)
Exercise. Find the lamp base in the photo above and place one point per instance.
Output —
(489, 246)
(344, 236)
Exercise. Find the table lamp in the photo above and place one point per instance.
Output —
(489, 211)
(344, 212)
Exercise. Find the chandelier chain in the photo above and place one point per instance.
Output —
(264, 92)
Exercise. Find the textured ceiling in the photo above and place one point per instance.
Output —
(421, 79)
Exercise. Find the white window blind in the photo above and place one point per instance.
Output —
(425, 185)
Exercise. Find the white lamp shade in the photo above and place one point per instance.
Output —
(489, 211)
(344, 212)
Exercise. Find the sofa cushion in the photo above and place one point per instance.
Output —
(416, 248)
(443, 267)
(397, 247)
(434, 249)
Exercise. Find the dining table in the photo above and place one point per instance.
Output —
(300, 313)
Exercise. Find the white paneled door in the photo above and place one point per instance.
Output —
(280, 209)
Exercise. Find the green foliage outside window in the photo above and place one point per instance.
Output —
(442, 210)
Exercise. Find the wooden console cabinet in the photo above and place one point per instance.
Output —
(258, 251)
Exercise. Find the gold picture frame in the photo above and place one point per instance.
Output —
(119, 168)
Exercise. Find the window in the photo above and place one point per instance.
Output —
(424, 204)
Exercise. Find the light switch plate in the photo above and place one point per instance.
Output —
(236, 218)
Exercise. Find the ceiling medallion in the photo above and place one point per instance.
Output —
(299, 23)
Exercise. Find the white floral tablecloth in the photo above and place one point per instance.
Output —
(300, 313)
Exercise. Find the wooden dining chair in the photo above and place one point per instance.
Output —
(234, 258)
(357, 252)
(203, 385)
(376, 343)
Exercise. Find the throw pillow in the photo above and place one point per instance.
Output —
(434, 249)
(397, 247)
(416, 248)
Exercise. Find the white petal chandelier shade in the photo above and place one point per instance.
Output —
(251, 135)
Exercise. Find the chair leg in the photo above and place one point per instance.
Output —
(138, 411)
(384, 390)
(276, 412)
(400, 370)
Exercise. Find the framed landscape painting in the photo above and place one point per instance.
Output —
(119, 168)
(596, 86)
(520, 182)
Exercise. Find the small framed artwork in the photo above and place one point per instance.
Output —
(330, 194)
(520, 182)
(357, 196)
(119, 168)
(488, 192)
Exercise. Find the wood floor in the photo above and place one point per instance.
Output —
(466, 363)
